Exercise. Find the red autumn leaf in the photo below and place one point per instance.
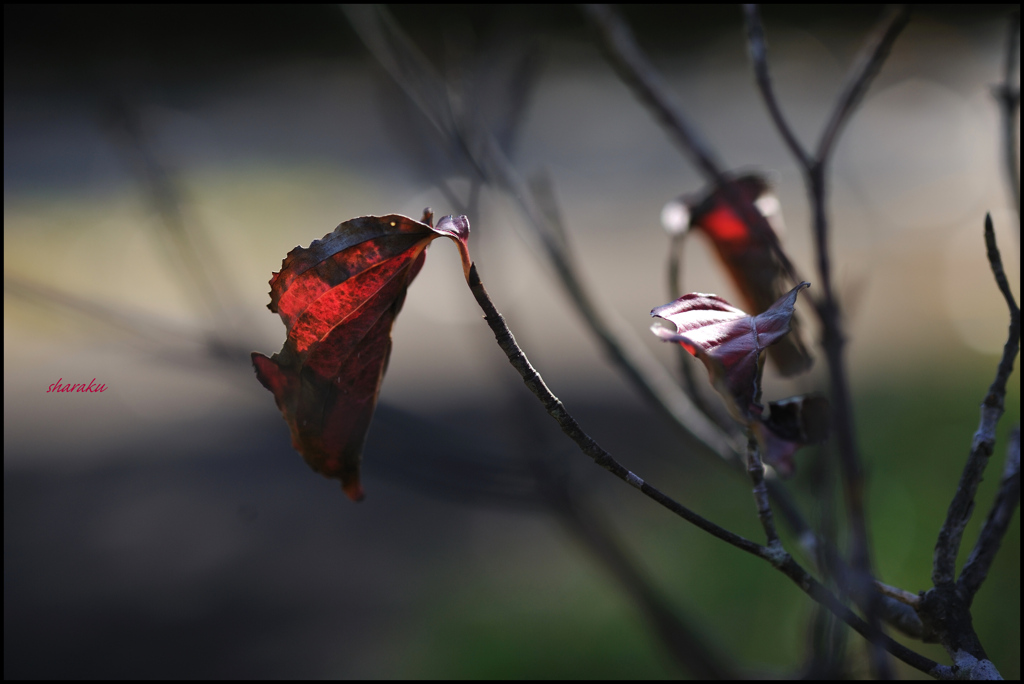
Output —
(338, 299)
(728, 341)
(791, 423)
(747, 248)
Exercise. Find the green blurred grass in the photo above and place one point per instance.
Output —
(557, 614)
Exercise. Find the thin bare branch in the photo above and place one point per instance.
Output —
(639, 74)
(645, 81)
(995, 261)
(960, 508)
(572, 429)
(865, 68)
(976, 568)
(759, 56)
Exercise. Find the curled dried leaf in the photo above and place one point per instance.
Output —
(791, 424)
(338, 299)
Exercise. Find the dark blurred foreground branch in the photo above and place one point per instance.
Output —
(197, 266)
(167, 339)
(774, 554)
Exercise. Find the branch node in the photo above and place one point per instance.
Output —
(776, 554)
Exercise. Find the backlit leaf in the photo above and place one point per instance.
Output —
(338, 299)
(728, 341)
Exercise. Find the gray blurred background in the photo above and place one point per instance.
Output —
(160, 162)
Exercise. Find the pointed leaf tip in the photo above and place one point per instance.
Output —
(354, 490)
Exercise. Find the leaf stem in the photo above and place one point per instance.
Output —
(755, 468)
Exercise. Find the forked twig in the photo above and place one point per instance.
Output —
(637, 72)
(945, 609)
(960, 508)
